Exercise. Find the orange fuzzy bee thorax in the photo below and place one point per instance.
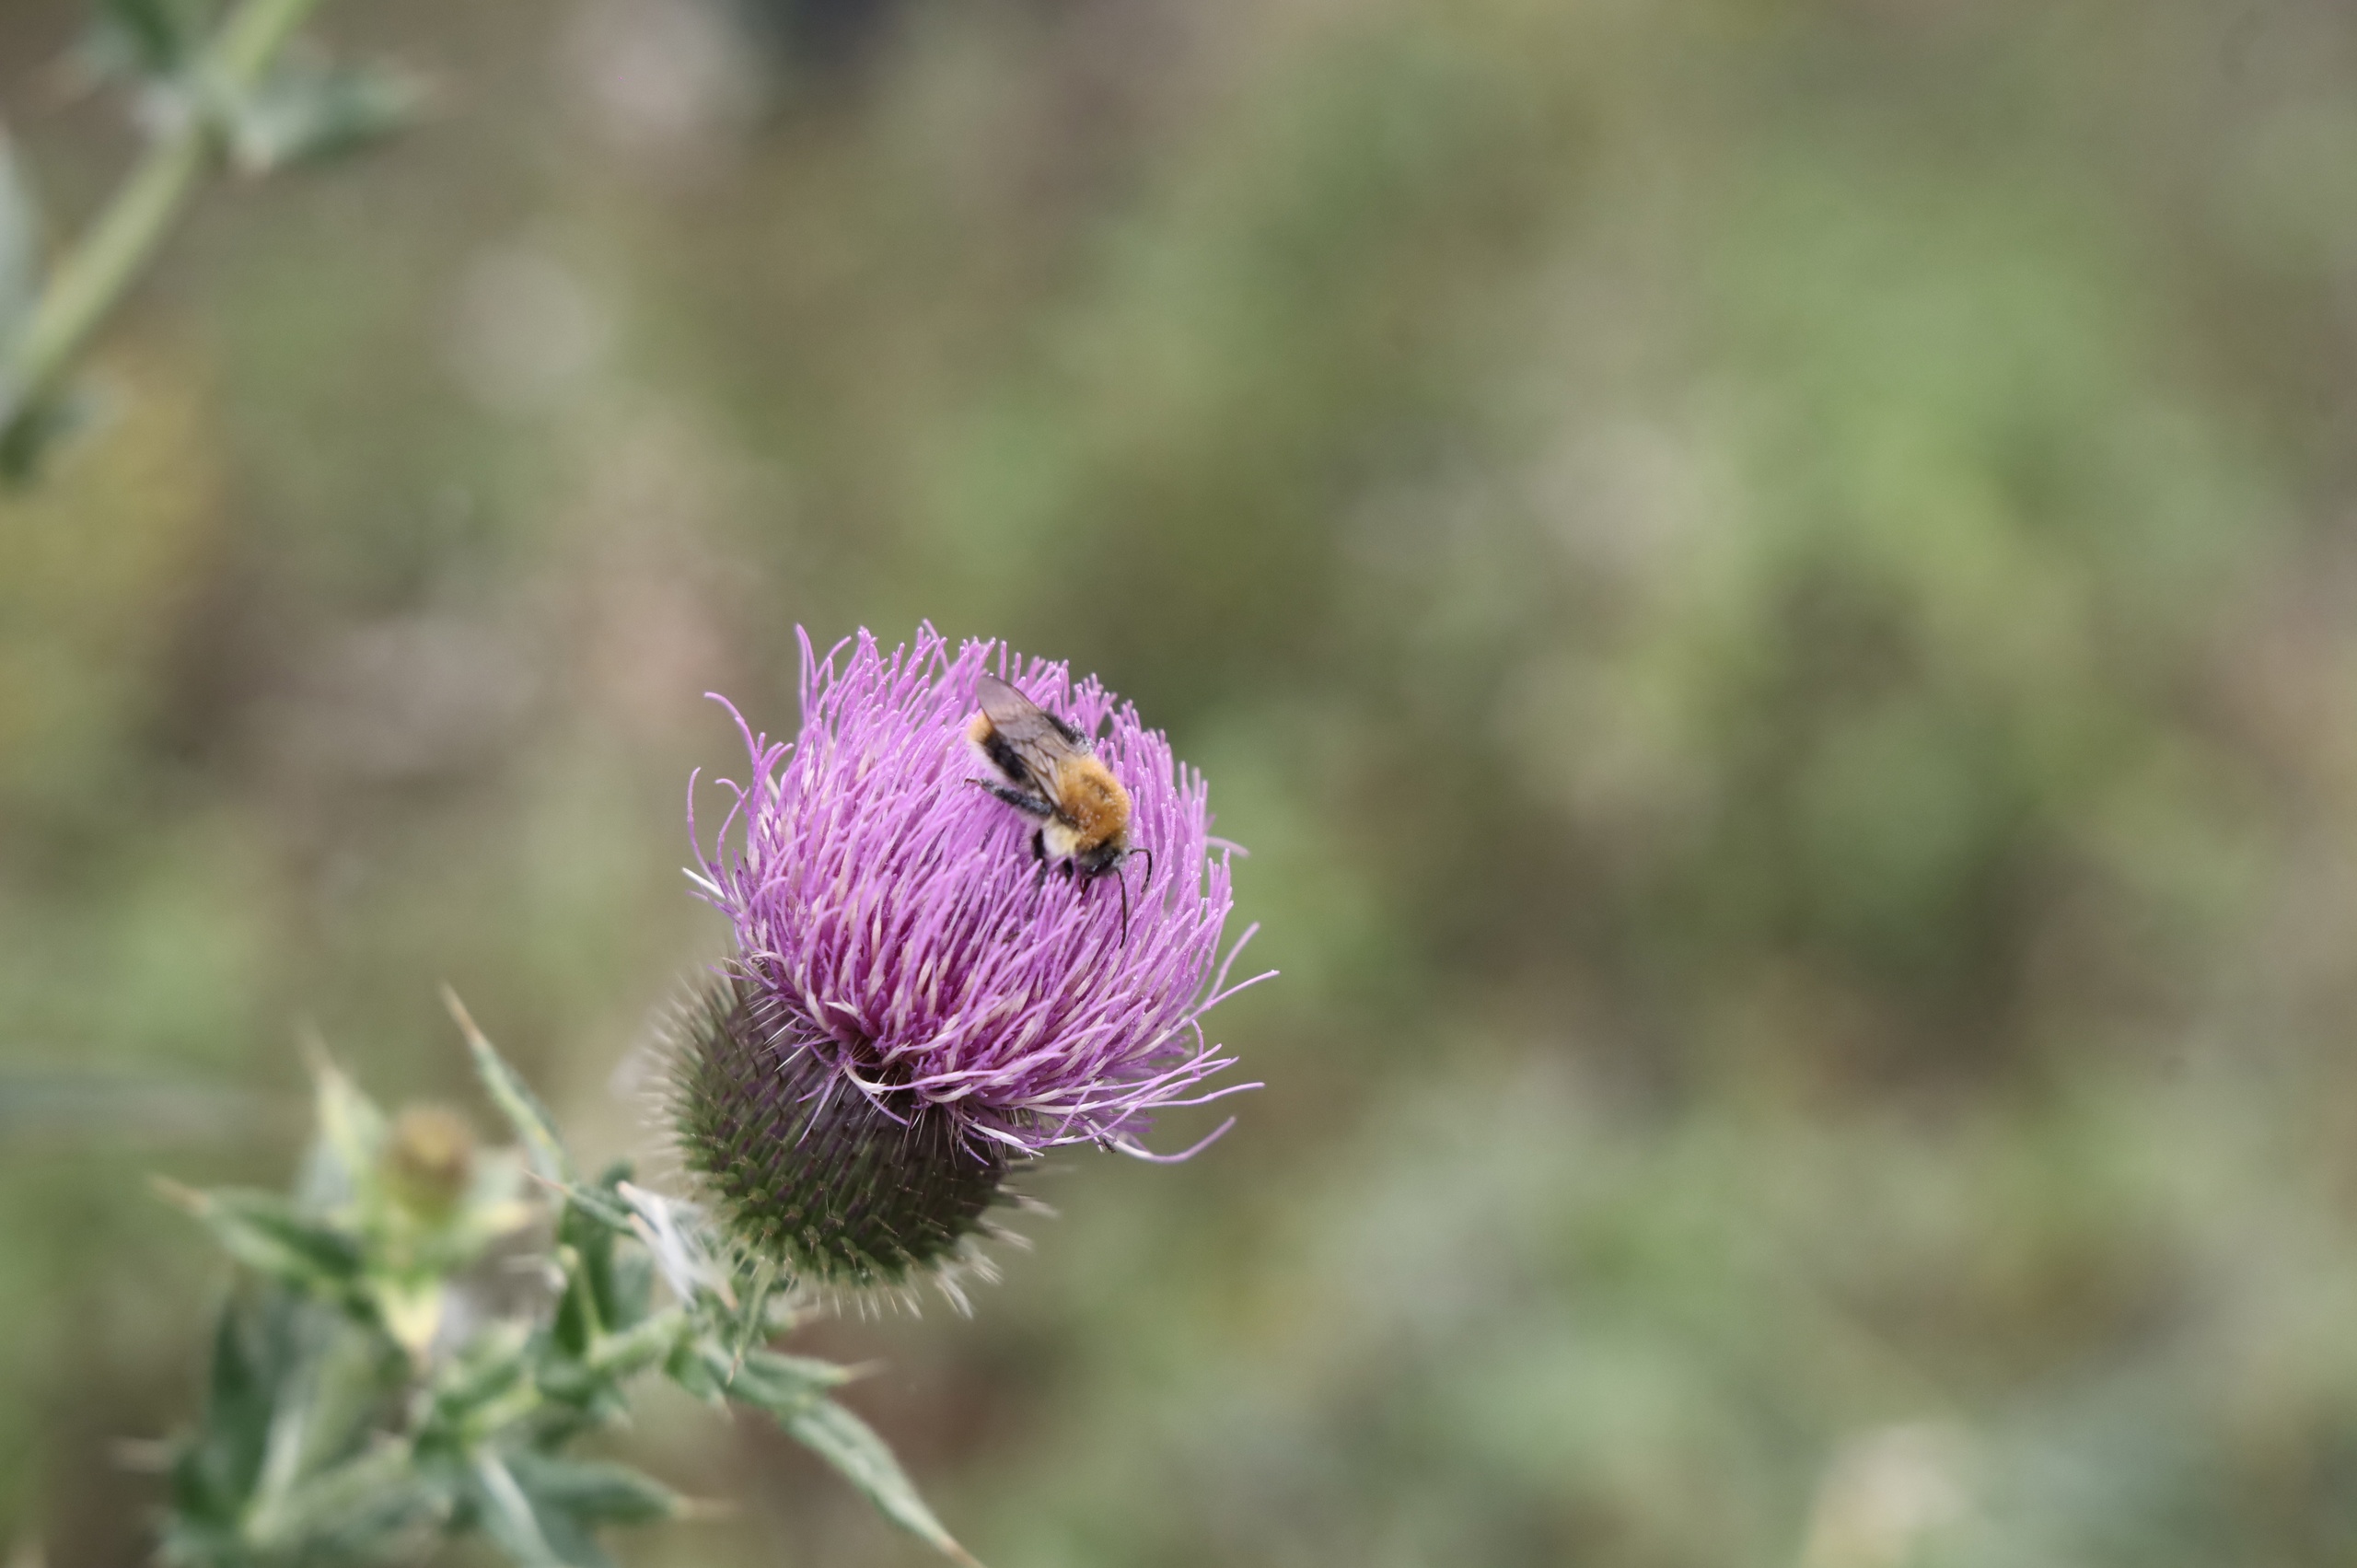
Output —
(1091, 800)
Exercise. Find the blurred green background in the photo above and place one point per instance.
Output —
(1771, 586)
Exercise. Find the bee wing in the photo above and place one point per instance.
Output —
(1036, 736)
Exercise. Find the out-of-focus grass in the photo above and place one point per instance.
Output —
(1765, 583)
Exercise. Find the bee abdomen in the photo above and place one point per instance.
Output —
(998, 751)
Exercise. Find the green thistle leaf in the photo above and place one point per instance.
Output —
(609, 1286)
(592, 1491)
(638, 1348)
(253, 1353)
(358, 1510)
(702, 1370)
(490, 1374)
(155, 39)
(351, 1135)
(784, 1385)
(274, 1235)
(849, 1444)
(543, 1512)
(515, 1527)
(543, 1151)
(307, 112)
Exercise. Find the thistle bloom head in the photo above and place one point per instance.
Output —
(917, 1004)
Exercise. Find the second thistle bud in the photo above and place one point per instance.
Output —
(428, 1161)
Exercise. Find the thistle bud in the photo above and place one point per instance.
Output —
(428, 1161)
(809, 1171)
(918, 1004)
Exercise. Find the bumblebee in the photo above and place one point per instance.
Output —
(1050, 772)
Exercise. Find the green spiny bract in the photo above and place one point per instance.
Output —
(807, 1171)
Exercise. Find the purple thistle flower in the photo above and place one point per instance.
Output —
(916, 1002)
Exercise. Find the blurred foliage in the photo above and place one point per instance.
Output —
(380, 1386)
(207, 82)
(1769, 586)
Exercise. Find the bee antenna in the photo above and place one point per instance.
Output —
(1149, 863)
(1125, 907)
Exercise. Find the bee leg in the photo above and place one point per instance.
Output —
(1022, 800)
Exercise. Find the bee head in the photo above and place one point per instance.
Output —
(1100, 860)
(1107, 859)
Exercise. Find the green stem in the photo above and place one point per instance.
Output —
(94, 275)
(92, 278)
